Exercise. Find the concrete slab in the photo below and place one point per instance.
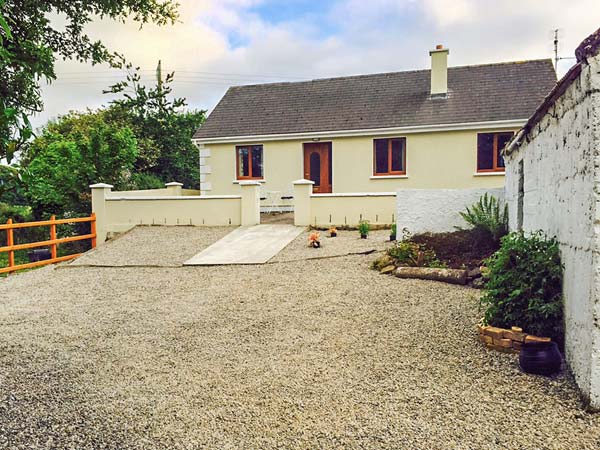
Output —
(247, 245)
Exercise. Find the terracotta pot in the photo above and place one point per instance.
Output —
(540, 358)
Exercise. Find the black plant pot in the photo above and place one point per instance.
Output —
(363, 236)
(540, 358)
(333, 234)
(392, 237)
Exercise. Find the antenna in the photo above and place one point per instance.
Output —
(556, 49)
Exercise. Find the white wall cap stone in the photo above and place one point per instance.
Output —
(303, 181)
(101, 186)
(173, 183)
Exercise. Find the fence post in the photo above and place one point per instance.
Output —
(302, 192)
(53, 236)
(93, 229)
(10, 242)
(250, 213)
(100, 192)
(174, 188)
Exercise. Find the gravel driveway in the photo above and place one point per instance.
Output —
(323, 353)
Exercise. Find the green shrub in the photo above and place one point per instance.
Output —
(364, 227)
(15, 212)
(487, 215)
(525, 286)
(411, 254)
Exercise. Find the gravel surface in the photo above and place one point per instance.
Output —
(322, 353)
(159, 246)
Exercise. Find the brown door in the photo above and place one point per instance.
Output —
(317, 166)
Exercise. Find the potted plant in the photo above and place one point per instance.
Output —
(363, 228)
(393, 232)
(332, 232)
(313, 240)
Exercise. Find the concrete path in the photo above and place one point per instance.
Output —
(247, 245)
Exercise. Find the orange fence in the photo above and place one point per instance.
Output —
(53, 243)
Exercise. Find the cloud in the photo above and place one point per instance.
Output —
(223, 42)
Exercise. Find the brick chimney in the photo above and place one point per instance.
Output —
(439, 71)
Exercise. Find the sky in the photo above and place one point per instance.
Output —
(220, 43)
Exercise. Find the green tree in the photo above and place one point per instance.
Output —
(31, 42)
(162, 126)
(78, 150)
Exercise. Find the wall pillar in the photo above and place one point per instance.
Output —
(302, 192)
(100, 192)
(250, 213)
(174, 189)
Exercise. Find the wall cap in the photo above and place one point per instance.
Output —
(173, 183)
(302, 182)
(101, 186)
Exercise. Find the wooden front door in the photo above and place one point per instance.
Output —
(317, 166)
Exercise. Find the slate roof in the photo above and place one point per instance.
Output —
(481, 93)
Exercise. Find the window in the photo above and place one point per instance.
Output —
(389, 156)
(249, 162)
(489, 151)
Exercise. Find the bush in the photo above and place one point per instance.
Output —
(409, 253)
(525, 286)
(364, 227)
(487, 215)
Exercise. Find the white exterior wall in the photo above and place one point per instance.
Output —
(561, 159)
(436, 210)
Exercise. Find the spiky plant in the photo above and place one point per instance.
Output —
(487, 215)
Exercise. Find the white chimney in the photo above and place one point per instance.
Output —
(439, 71)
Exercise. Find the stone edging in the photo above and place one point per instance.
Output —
(506, 341)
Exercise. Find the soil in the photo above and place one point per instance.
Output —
(459, 249)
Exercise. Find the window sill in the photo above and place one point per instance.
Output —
(387, 177)
(488, 174)
(260, 180)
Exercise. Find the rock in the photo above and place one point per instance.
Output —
(474, 273)
(453, 276)
(388, 269)
(381, 262)
(478, 283)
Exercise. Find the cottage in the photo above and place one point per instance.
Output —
(421, 129)
(553, 184)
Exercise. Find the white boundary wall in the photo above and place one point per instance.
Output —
(558, 168)
(122, 210)
(436, 210)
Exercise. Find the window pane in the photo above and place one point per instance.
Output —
(503, 139)
(243, 166)
(257, 165)
(381, 156)
(485, 151)
(398, 155)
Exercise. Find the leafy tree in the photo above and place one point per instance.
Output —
(161, 125)
(72, 153)
(31, 42)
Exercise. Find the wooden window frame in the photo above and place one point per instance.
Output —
(237, 162)
(389, 172)
(495, 168)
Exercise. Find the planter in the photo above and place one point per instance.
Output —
(540, 358)
(316, 244)
(392, 237)
(363, 236)
(333, 234)
(39, 255)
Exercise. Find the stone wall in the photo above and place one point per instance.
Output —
(552, 185)
(436, 210)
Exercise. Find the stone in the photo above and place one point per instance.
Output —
(495, 332)
(517, 329)
(478, 283)
(531, 338)
(388, 269)
(474, 273)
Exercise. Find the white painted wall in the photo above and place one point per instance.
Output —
(436, 210)
(561, 175)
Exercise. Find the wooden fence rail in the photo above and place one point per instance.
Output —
(53, 242)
